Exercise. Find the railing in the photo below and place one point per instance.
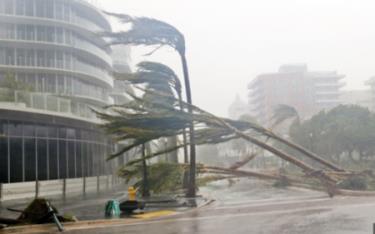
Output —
(46, 102)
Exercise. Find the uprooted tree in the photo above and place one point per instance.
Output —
(140, 121)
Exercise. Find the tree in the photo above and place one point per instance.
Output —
(147, 31)
(141, 123)
(162, 79)
(344, 130)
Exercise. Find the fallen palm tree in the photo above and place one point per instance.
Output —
(140, 121)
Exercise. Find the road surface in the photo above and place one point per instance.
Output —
(252, 207)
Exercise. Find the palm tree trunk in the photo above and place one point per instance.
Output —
(185, 182)
(186, 156)
(145, 189)
(192, 171)
(306, 152)
(327, 181)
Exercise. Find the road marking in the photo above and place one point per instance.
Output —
(154, 214)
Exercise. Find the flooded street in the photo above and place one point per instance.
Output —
(250, 207)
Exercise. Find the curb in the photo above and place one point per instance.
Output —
(100, 223)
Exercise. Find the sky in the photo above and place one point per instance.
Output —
(231, 42)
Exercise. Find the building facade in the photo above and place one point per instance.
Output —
(293, 85)
(54, 70)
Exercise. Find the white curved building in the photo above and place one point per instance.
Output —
(53, 70)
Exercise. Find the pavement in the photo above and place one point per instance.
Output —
(249, 206)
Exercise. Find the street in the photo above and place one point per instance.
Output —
(253, 207)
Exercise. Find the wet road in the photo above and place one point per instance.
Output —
(250, 207)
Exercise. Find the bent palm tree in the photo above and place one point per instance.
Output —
(147, 31)
(160, 78)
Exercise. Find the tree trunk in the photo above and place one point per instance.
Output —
(184, 138)
(192, 171)
(145, 189)
(306, 152)
(325, 179)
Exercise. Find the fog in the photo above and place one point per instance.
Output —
(231, 42)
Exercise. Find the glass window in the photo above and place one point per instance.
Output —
(30, 159)
(51, 84)
(61, 84)
(59, 60)
(29, 130)
(41, 58)
(9, 53)
(49, 8)
(50, 58)
(3, 159)
(41, 33)
(9, 6)
(79, 165)
(71, 159)
(53, 159)
(50, 37)
(59, 35)
(40, 8)
(21, 32)
(21, 57)
(52, 104)
(62, 159)
(59, 10)
(29, 11)
(30, 35)
(16, 162)
(52, 132)
(41, 131)
(20, 7)
(15, 128)
(30, 58)
(42, 159)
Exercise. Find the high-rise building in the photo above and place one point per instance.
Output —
(293, 85)
(54, 70)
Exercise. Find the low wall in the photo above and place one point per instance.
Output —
(61, 188)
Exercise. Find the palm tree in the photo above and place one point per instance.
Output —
(148, 31)
(160, 78)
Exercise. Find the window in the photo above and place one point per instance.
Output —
(50, 58)
(30, 60)
(20, 7)
(9, 53)
(21, 57)
(29, 11)
(21, 32)
(9, 6)
(16, 164)
(40, 8)
(30, 35)
(41, 58)
(41, 33)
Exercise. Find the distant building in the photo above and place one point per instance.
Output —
(238, 108)
(371, 83)
(293, 85)
(361, 98)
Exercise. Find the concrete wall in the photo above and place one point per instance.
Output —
(58, 188)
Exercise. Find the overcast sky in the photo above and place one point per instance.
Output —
(231, 42)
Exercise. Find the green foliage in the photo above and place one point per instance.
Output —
(354, 183)
(162, 176)
(340, 131)
(146, 31)
(10, 86)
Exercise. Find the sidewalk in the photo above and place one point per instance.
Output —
(90, 210)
